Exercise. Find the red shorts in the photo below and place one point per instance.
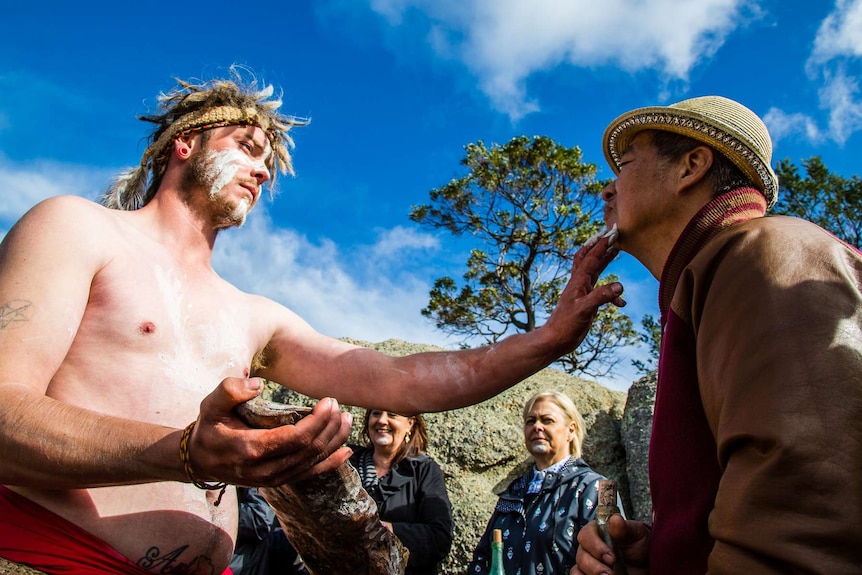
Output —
(34, 536)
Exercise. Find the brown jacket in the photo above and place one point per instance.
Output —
(756, 455)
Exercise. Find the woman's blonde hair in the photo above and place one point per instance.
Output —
(562, 401)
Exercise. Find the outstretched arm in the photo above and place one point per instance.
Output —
(317, 366)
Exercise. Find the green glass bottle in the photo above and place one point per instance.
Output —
(497, 553)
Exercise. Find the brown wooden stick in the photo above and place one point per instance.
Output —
(607, 508)
(329, 519)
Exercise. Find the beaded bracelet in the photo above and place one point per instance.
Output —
(187, 465)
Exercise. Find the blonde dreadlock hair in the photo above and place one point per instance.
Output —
(192, 108)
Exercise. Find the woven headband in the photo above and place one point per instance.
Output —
(205, 119)
(132, 188)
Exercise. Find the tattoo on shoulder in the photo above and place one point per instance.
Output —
(14, 313)
(169, 563)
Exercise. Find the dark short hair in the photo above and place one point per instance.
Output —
(723, 173)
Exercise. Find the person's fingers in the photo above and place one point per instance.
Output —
(603, 294)
(311, 446)
(620, 529)
(222, 447)
(594, 261)
(590, 261)
(323, 429)
(589, 559)
(211, 452)
(587, 564)
(631, 540)
(581, 298)
(592, 543)
(231, 391)
(597, 259)
(334, 435)
(332, 462)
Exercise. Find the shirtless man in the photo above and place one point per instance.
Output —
(115, 333)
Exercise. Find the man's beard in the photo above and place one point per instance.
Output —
(212, 171)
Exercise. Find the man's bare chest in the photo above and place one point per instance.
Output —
(150, 328)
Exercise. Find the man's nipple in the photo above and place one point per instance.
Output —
(147, 328)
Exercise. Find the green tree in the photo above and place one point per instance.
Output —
(528, 205)
(650, 335)
(829, 200)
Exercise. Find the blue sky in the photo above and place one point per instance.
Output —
(395, 89)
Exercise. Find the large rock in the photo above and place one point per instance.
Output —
(635, 433)
(481, 449)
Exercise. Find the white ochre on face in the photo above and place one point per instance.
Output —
(388, 429)
(547, 433)
(221, 169)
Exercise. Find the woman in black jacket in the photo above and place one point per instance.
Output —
(408, 487)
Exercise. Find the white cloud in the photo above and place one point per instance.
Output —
(395, 241)
(503, 42)
(839, 96)
(840, 33)
(27, 184)
(783, 125)
(339, 293)
(392, 10)
(835, 54)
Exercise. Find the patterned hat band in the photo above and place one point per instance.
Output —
(730, 128)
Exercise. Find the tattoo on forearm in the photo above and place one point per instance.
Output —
(14, 313)
(169, 563)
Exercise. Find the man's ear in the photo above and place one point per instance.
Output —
(694, 165)
(184, 145)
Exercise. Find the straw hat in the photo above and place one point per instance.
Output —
(725, 125)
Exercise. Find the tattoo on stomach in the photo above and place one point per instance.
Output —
(169, 563)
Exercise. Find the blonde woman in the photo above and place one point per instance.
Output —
(541, 512)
